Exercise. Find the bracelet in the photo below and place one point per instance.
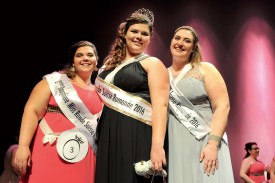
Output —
(215, 138)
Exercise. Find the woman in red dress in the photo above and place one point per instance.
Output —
(64, 101)
(252, 170)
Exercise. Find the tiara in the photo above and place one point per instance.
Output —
(144, 12)
(189, 28)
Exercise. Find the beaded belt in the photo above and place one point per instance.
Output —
(54, 109)
(257, 174)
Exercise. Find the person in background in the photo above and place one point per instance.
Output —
(199, 109)
(252, 170)
(9, 175)
(135, 89)
(272, 170)
(57, 133)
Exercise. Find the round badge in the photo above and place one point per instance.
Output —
(72, 146)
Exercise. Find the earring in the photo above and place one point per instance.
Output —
(73, 69)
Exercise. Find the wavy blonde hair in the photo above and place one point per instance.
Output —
(196, 55)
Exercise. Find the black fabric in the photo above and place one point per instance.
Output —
(123, 140)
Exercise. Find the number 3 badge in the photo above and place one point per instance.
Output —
(72, 146)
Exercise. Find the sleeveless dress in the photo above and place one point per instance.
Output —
(256, 172)
(184, 149)
(123, 140)
(47, 166)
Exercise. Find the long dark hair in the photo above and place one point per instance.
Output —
(248, 146)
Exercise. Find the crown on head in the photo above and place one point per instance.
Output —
(146, 13)
(189, 28)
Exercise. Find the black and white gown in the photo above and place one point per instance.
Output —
(124, 140)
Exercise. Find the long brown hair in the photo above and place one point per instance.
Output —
(118, 48)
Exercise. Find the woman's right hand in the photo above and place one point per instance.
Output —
(22, 159)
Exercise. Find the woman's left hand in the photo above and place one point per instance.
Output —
(209, 156)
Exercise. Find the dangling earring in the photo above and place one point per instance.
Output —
(96, 69)
(73, 68)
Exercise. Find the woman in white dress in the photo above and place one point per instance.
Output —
(199, 108)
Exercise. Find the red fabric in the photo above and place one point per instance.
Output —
(47, 166)
(257, 168)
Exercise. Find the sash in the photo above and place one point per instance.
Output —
(185, 111)
(110, 77)
(72, 106)
(123, 102)
(120, 100)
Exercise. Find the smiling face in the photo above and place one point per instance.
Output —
(182, 44)
(137, 39)
(85, 59)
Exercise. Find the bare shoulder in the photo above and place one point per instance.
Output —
(153, 59)
(43, 84)
(151, 63)
(42, 87)
(207, 66)
(247, 161)
(209, 69)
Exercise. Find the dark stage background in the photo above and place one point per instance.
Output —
(236, 36)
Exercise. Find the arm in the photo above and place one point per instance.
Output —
(244, 170)
(218, 96)
(33, 112)
(158, 80)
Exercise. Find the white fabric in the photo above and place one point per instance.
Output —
(72, 106)
(184, 110)
(49, 135)
(111, 75)
(124, 102)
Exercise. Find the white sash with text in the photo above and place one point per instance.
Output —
(72, 106)
(185, 111)
(121, 101)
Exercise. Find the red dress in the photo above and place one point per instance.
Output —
(47, 165)
(256, 172)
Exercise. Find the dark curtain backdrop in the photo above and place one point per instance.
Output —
(236, 36)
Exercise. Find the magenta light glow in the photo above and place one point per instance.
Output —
(254, 110)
